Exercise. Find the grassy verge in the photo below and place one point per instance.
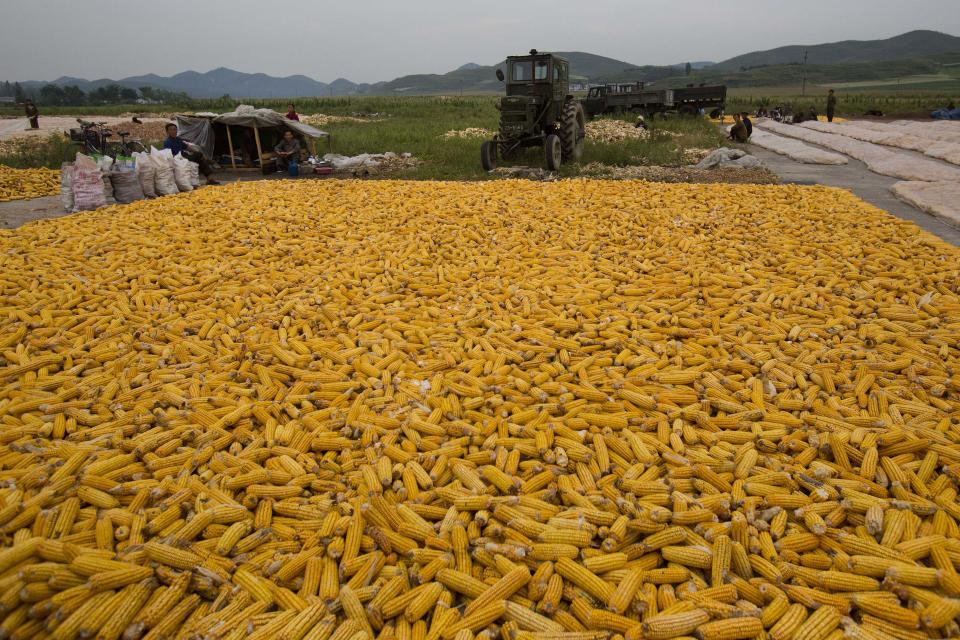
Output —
(848, 103)
(32, 153)
(417, 124)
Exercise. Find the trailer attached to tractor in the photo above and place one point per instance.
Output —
(634, 97)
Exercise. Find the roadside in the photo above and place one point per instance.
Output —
(19, 212)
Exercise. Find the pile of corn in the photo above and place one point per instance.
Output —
(23, 184)
(321, 119)
(18, 144)
(693, 155)
(607, 130)
(469, 132)
(434, 411)
(726, 175)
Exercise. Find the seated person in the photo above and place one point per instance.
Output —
(287, 150)
(738, 133)
(292, 113)
(177, 145)
(745, 118)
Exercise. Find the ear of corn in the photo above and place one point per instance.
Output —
(348, 410)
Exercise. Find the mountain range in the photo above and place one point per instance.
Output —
(850, 60)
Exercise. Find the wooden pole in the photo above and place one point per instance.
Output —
(256, 136)
(233, 160)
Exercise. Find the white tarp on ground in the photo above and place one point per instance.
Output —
(878, 159)
(13, 125)
(939, 198)
(920, 138)
(794, 149)
(726, 157)
(940, 130)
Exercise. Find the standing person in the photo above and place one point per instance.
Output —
(287, 150)
(831, 105)
(176, 144)
(745, 118)
(292, 113)
(33, 114)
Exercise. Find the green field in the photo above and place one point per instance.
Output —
(851, 102)
(417, 124)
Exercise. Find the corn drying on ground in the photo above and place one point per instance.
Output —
(432, 410)
(22, 184)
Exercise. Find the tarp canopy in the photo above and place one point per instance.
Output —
(229, 133)
(247, 116)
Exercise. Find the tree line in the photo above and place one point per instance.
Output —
(72, 95)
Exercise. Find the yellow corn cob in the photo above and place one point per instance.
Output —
(819, 625)
(584, 579)
(509, 584)
(730, 629)
(672, 625)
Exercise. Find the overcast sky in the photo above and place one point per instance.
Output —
(370, 40)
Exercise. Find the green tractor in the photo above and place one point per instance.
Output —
(538, 111)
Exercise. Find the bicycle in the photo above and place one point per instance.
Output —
(94, 138)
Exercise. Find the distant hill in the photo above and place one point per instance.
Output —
(913, 53)
(584, 67)
(222, 81)
(945, 65)
(914, 44)
(218, 82)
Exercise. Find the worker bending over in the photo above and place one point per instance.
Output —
(738, 132)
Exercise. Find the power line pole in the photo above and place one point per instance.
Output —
(803, 91)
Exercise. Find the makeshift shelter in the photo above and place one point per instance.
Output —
(251, 133)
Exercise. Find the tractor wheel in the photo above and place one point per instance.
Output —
(554, 152)
(488, 155)
(572, 130)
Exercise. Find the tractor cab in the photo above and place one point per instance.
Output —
(543, 75)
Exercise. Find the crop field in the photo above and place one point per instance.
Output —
(853, 101)
(417, 125)
(579, 410)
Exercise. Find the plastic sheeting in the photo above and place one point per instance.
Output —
(937, 198)
(794, 149)
(13, 125)
(922, 138)
(939, 131)
(197, 131)
(247, 116)
(878, 159)
(946, 114)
